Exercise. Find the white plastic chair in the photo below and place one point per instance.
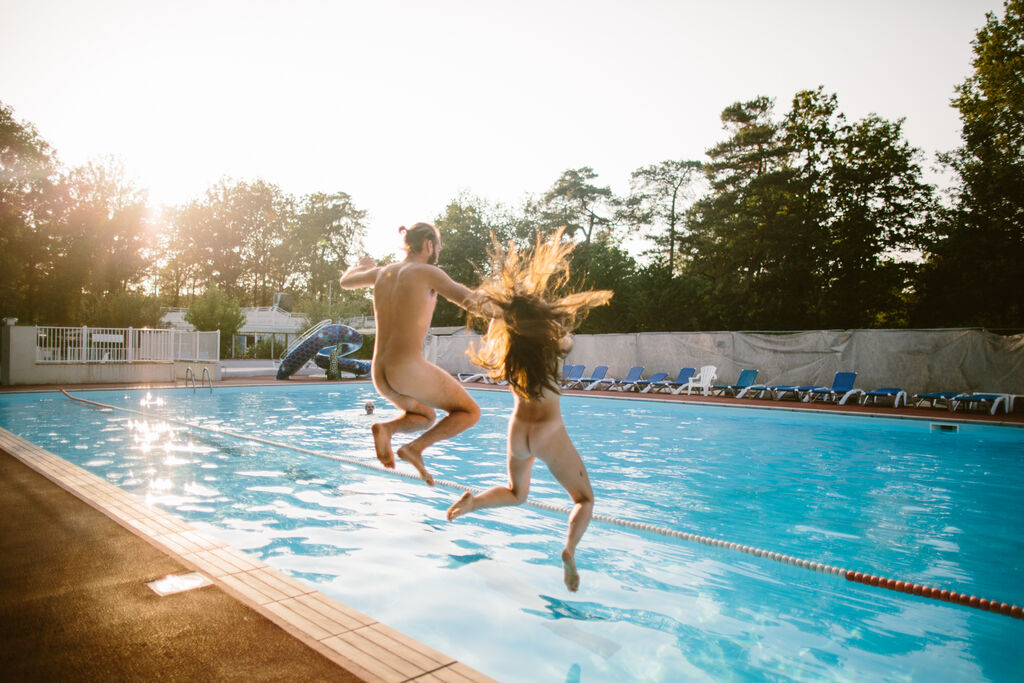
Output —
(702, 380)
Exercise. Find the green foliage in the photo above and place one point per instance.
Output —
(804, 218)
(576, 203)
(861, 190)
(65, 235)
(28, 172)
(466, 227)
(658, 198)
(328, 234)
(603, 264)
(267, 347)
(215, 310)
(252, 240)
(976, 261)
(344, 303)
(120, 309)
(748, 248)
(364, 352)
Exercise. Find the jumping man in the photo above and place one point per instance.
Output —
(404, 296)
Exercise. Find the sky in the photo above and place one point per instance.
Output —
(406, 104)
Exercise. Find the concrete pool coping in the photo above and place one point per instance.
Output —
(354, 646)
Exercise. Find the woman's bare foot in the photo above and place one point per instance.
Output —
(382, 444)
(569, 572)
(461, 506)
(412, 457)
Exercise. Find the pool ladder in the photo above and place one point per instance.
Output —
(189, 375)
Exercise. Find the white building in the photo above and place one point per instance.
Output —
(261, 322)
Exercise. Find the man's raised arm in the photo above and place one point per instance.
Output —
(462, 296)
(362, 275)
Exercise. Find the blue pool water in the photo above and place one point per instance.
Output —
(883, 496)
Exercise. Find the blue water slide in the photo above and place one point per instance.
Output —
(325, 337)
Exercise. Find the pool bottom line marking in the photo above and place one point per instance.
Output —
(898, 586)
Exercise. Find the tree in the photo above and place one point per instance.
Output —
(604, 264)
(328, 234)
(658, 199)
(215, 310)
(66, 235)
(576, 203)
(808, 221)
(747, 246)
(976, 262)
(105, 227)
(466, 227)
(864, 201)
(121, 309)
(236, 237)
(28, 174)
(178, 275)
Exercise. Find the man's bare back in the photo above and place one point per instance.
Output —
(404, 297)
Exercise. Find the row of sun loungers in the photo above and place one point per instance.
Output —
(702, 380)
(690, 380)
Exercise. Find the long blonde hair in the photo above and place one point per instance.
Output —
(523, 345)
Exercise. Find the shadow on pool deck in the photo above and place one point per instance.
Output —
(75, 604)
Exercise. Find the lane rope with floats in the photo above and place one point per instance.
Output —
(862, 578)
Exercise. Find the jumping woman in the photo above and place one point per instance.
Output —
(524, 345)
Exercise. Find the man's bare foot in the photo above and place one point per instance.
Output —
(412, 457)
(461, 506)
(569, 572)
(382, 444)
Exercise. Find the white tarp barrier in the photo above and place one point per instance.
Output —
(915, 360)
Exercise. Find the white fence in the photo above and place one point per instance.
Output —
(123, 345)
(203, 346)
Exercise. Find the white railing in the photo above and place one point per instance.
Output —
(123, 345)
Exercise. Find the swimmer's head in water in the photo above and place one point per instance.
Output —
(418, 235)
(523, 346)
(368, 407)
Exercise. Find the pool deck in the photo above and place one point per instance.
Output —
(78, 553)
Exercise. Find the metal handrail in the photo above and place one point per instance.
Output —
(189, 373)
(206, 376)
(301, 337)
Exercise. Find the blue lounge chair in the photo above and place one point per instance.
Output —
(596, 377)
(779, 391)
(632, 376)
(970, 400)
(842, 385)
(740, 388)
(895, 393)
(934, 398)
(643, 385)
(571, 374)
(681, 380)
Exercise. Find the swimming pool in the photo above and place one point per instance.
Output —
(883, 496)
